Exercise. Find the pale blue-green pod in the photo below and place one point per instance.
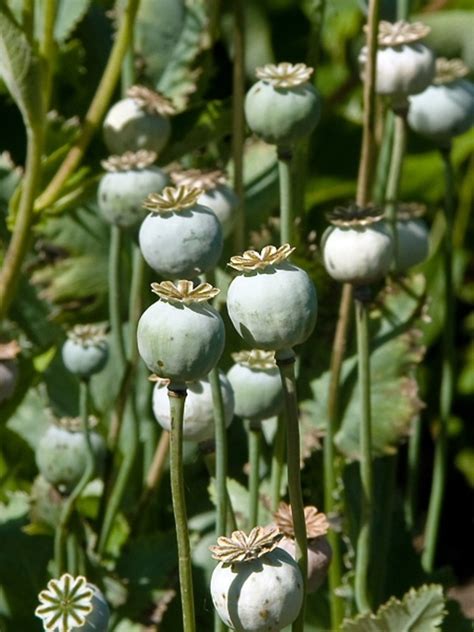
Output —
(61, 455)
(8, 378)
(140, 121)
(181, 337)
(413, 243)
(223, 201)
(86, 351)
(198, 410)
(283, 107)
(180, 238)
(123, 190)
(273, 303)
(256, 382)
(98, 619)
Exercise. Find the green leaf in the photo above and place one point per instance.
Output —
(68, 16)
(451, 34)
(420, 610)
(19, 68)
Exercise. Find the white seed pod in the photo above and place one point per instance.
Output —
(412, 243)
(256, 382)
(181, 337)
(180, 238)
(273, 303)
(358, 248)
(198, 409)
(123, 190)
(262, 593)
(446, 109)
(86, 351)
(283, 106)
(404, 65)
(140, 121)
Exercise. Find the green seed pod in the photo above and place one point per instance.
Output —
(199, 408)
(357, 249)
(122, 191)
(71, 603)
(216, 194)
(139, 121)
(61, 455)
(283, 106)
(180, 238)
(256, 382)
(445, 109)
(273, 303)
(404, 65)
(86, 351)
(181, 337)
(257, 586)
(319, 549)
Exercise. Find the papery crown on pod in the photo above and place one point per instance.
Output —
(284, 75)
(206, 180)
(240, 547)
(448, 70)
(172, 199)
(151, 101)
(410, 210)
(354, 215)
(253, 260)
(88, 335)
(65, 603)
(317, 523)
(400, 32)
(74, 424)
(9, 350)
(255, 359)
(130, 160)
(184, 291)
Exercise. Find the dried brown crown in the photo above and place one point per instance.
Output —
(448, 70)
(253, 260)
(354, 215)
(241, 547)
(151, 101)
(410, 210)
(129, 161)
(284, 75)
(88, 335)
(74, 424)
(184, 291)
(172, 199)
(316, 522)
(199, 179)
(255, 359)
(9, 350)
(401, 32)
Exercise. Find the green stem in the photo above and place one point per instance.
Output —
(403, 9)
(28, 18)
(413, 475)
(394, 177)
(255, 434)
(447, 376)
(48, 50)
(68, 507)
(278, 462)
(383, 160)
(18, 246)
(286, 362)
(177, 399)
(115, 285)
(208, 453)
(123, 476)
(72, 554)
(366, 477)
(97, 108)
(135, 307)
(238, 122)
(285, 155)
(329, 455)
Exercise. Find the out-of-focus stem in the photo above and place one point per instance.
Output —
(285, 155)
(238, 121)
(48, 49)
(394, 176)
(255, 433)
(115, 285)
(413, 475)
(278, 462)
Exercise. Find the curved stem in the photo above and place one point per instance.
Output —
(254, 434)
(126, 467)
(177, 399)
(278, 462)
(68, 507)
(238, 121)
(18, 246)
(329, 455)
(447, 376)
(286, 363)
(394, 176)
(285, 156)
(96, 110)
(366, 477)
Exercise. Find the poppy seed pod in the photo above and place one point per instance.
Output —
(412, 236)
(283, 106)
(257, 586)
(122, 191)
(8, 369)
(181, 337)
(357, 248)
(272, 303)
(140, 121)
(180, 238)
(199, 410)
(86, 351)
(446, 108)
(404, 65)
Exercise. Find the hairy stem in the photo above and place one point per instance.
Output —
(447, 375)
(238, 121)
(254, 435)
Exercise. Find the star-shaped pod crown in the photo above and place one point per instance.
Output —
(284, 75)
(151, 101)
(401, 32)
(241, 547)
(206, 180)
(65, 603)
(88, 335)
(129, 161)
(255, 359)
(172, 199)
(354, 216)
(184, 291)
(252, 260)
(448, 70)
(316, 522)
